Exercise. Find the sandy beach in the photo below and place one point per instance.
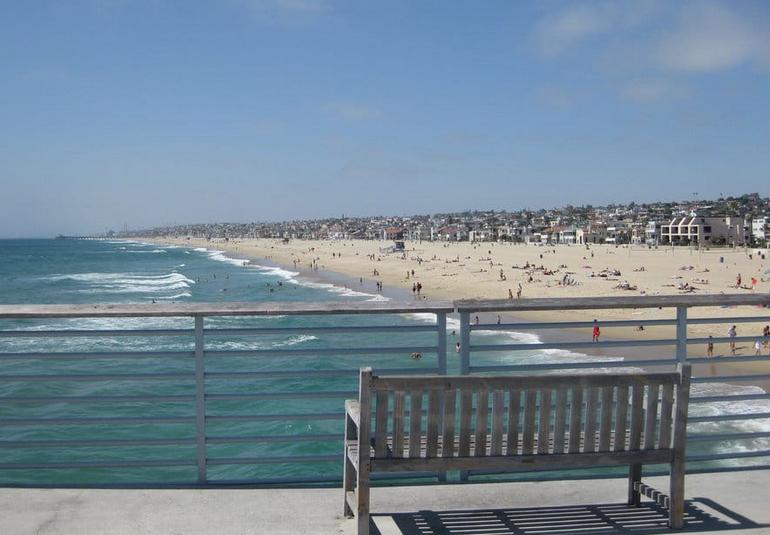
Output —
(458, 270)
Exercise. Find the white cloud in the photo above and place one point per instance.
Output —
(557, 33)
(708, 37)
(353, 112)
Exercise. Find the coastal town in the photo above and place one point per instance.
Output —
(730, 221)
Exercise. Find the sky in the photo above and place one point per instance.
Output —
(155, 112)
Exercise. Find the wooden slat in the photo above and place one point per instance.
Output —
(528, 430)
(448, 432)
(605, 425)
(466, 407)
(650, 416)
(381, 425)
(560, 420)
(544, 425)
(589, 437)
(482, 412)
(523, 462)
(637, 418)
(621, 416)
(575, 419)
(434, 409)
(666, 406)
(521, 382)
(415, 422)
(514, 407)
(398, 424)
(498, 407)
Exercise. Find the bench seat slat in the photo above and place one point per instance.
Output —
(498, 407)
(482, 409)
(592, 400)
(448, 434)
(415, 421)
(514, 406)
(605, 424)
(466, 409)
(398, 423)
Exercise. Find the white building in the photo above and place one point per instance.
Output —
(691, 230)
(760, 229)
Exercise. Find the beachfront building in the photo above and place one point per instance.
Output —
(568, 235)
(652, 232)
(692, 230)
(760, 230)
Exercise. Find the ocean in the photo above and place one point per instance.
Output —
(84, 272)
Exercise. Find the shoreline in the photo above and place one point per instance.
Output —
(271, 253)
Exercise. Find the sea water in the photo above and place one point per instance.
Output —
(85, 272)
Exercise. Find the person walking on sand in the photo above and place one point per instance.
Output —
(596, 332)
(732, 332)
(757, 347)
(710, 347)
(476, 319)
(518, 292)
(510, 293)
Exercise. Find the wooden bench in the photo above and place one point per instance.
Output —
(440, 423)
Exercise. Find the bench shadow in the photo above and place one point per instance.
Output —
(701, 514)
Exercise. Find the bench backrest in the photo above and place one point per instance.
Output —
(480, 416)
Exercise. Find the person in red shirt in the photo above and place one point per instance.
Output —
(596, 332)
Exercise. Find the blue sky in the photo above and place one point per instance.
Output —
(151, 112)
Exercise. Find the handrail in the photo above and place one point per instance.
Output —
(159, 310)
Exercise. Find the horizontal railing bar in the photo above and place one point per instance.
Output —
(303, 330)
(728, 417)
(726, 358)
(756, 377)
(572, 365)
(283, 395)
(95, 464)
(96, 443)
(573, 345)
(320, 373)
(320, 351)
(599, 303)
(80, 333)
(705, 437)
(336, 437)
(99, 399)
(567, 324)
(158, 310)
(729, 455)
(99, 377)
(99, 421)
(102, 355)
(274, 417)
(273, 460)
(737, 319)
(251, 483)
(737, 397)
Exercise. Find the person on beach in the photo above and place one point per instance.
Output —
(518, 292)
(510, 294)
(457, 347)
(710, 347)
(732, 332)
(476, 319)
(757, 347)
(596, 332)
(766, 337)
(738, 281)
(498, 319)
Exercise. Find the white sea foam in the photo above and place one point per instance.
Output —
(276, 271)
(126, 282)
(151, 251)
(294, 340)
(177, 296)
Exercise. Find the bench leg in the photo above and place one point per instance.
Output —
(362, 500)
(676, 496)
(634, 476)
(348, 480)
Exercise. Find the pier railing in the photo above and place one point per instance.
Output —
(212, 404)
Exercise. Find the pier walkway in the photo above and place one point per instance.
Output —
(724, 502)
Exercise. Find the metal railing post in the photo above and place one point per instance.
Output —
(465, 342)
(465, 358)
(681, 333)
(200, 401)
(441, 346)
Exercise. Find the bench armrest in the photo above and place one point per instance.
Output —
(353, 409)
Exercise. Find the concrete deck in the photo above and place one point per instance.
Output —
(738, 501)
